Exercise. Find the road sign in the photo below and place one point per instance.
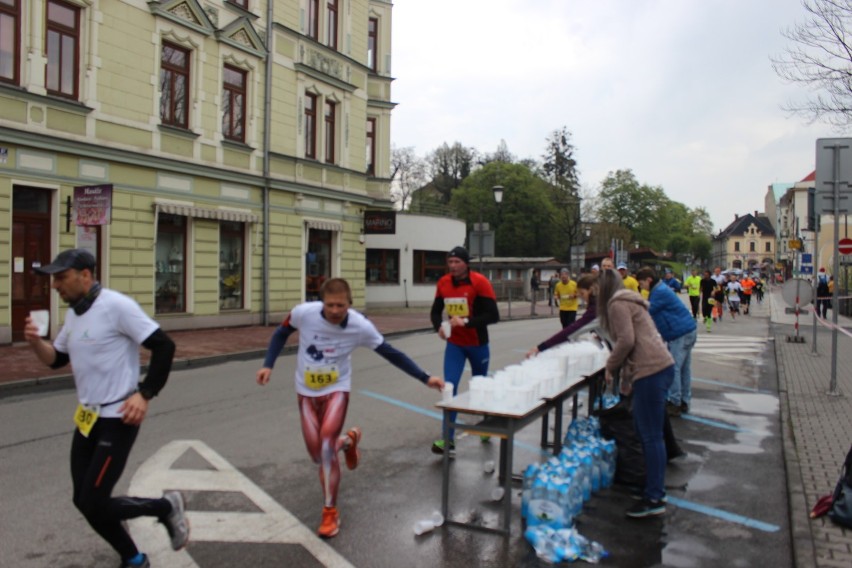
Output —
(807, 258)
(794, 244)
(833, 155)
(806, 269)
(845, 246)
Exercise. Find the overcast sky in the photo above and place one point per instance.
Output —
(681, 92)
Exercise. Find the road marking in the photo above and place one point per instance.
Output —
(724, 515)
(273, 525)
(731, 386)
(730, 346)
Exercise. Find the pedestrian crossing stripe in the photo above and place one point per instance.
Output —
(732, 347)
(271, 524)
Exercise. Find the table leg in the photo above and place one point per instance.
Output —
(445, 487)
(557, 426)
(544, 436)
(507, 483)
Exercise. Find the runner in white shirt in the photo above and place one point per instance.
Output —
(734, 288)
(101, 337)
(329, 331)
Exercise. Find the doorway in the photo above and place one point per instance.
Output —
(317, 262)
(30, 248)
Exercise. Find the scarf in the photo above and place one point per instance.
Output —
(82, 305)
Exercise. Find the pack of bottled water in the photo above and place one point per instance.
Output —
(563, 545)
(554, 491)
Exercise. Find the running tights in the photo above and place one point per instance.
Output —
(96, 465)
(322, 423)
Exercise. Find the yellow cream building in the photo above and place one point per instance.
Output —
(217, 157)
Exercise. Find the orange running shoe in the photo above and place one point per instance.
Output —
(330, 525)
(352, 453)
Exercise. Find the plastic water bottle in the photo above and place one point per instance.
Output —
(566, 505)
(597, 467)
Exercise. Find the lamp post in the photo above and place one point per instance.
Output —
(498, 198)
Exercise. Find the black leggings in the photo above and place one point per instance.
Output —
(694, 301)
(567, 317)
(96, 464)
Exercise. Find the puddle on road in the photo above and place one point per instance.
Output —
(752, 413)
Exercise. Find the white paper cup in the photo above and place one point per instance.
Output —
(448, 329)
(42, 319)
(447, 392)
(437, 519)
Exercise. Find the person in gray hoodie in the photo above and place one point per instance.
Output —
(646, 368)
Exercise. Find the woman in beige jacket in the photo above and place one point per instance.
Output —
(645, 368)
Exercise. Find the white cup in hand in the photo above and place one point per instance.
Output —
(448, 329)
(41, 318)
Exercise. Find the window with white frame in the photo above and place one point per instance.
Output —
(330, 130)
(62, 47)
(10, 41)
(174, 85)
(373, 44)
(234, 104)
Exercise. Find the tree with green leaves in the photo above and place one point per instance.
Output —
(520, 221)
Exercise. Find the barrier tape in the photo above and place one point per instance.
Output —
(826, 323)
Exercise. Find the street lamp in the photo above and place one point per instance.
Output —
(498, 198)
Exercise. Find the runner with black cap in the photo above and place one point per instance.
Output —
(101, 336)
(471, 305)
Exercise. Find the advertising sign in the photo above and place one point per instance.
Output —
(380, 222)
(92, 205)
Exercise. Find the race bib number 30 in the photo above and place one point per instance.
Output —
(85, 418)
(321, 377)
(457, 307)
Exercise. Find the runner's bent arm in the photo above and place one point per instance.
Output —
(162, 354)
(276, 343)
(437, 312)
(486, 312)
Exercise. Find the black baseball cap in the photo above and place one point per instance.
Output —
(78, 259)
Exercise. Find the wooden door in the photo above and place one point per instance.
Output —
(30, 247)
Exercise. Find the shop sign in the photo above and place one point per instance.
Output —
(380, 222)
(93, 205)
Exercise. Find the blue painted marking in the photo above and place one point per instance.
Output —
(703, 509)
(724, 515)
(405, 405)
(730, 386)
(715, 423)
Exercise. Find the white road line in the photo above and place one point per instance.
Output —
(274, 525)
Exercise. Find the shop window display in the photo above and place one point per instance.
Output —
(170, 290)
(231, 276)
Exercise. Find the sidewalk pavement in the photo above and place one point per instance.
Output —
(816, 426)
(817, 431)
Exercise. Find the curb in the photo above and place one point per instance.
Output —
(801, 537)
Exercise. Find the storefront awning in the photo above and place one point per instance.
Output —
(324, 225)
(188, 210)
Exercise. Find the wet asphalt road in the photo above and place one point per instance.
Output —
(727, 498)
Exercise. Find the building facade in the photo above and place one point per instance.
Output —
(217, 157)
(403, 265)
(748, 244)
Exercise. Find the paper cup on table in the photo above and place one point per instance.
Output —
(447, 392)
(42, 319)
(448, 329)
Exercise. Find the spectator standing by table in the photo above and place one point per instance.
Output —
(646, 368)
